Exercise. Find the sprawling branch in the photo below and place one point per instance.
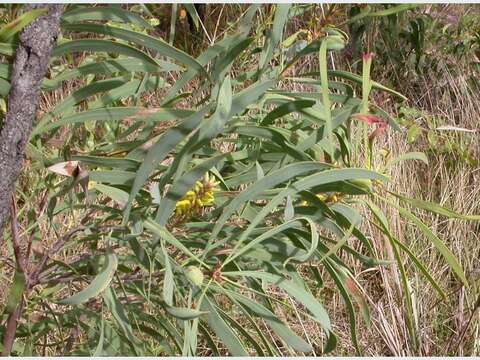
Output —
(29, 68)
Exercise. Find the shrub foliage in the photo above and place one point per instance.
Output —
(190, 197)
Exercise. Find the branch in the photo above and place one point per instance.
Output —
(31, 63)
(29, 69)
(17, 249)
(13, 318)
(55, 248)
(11, 329)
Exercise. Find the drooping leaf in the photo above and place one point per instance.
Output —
(184, 313)
(121, 317)
(150, 42)
(115, 114)
(441, 247)
(112, 13)
(223, 331)
(16, 292)
(99, 348)
(303, 296)
(275, 34)
(98, 284)
(120, 196)
(7, 31)
(285, 333)
(435, 208)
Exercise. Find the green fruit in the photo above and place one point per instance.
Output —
(195, 275)
(335, 42)
(364, 184)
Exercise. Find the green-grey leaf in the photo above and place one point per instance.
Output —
(98, 284)
(223, 331)
(159, 151)
(99, 348)
(435, 208)
(441, 247)
(119, 314)
(284, 332)
(150, 42)
(116, 114)
(16, 292)
(268, 182)
(95, 45)
(184, 313)
(113, 193)
(7, 31)
(294, 290)
(112, 13)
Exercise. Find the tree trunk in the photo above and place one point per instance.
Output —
(31, 63)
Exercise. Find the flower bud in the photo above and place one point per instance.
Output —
(194, 275)
(364, 184)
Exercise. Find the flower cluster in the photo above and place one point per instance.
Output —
(201, 196)
(326, 198)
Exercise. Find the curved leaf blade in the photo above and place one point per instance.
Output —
(294, 290)
(95, 45)
(140, 39)
(112, 13)
(98, 284)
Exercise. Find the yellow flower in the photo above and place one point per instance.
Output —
(202, 195)
(333, 198)
(328, 199)
(183, 207)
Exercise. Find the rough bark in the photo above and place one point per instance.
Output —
(31, 63)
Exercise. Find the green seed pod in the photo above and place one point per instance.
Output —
(364, 184)
(335, 32)
(195, 275)
(335, 42)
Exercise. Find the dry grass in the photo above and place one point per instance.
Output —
(439, 323)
